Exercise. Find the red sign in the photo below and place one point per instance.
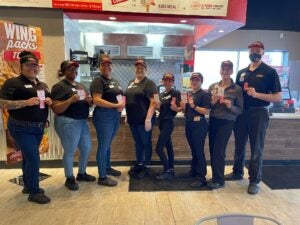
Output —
(87, 5)
(114, 2)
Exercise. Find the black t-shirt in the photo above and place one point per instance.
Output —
(21, 88)
(137, 100)
(109, 88)
(264, 79)
(202, 99)
(165, 107)
(62, 91)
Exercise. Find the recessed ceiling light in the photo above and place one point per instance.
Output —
(205, 40)
(112, 18)
(221, 31)
(183, 21)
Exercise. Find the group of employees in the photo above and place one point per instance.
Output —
(239, 106)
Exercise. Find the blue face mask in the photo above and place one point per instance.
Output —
(255, 57)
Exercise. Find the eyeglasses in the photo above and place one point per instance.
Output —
(32, 65)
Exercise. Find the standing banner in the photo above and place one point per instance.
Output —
(14, 38)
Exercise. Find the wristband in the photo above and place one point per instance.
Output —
(195, 107)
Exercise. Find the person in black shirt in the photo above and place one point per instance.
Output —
(107, 96)
(196, 127)
(169, 106)
(140, 107)
(26, 125)
(227, 104)
(71, 103)
(260, 84)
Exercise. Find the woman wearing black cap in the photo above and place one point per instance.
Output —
(140, 107)
(107, 96)
(169, 106)
(227, 104)
(196, 127)
(26, 125)
(71, 103)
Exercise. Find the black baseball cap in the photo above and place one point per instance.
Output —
(141, 62)
(168, 76)
(256, 44)
(68, 63)
(227, 63)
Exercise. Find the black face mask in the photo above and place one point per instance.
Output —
(255, 57)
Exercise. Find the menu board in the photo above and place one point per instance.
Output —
(179, 7)
(27, 3)
(186, 7)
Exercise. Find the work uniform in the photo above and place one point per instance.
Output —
(254, 120)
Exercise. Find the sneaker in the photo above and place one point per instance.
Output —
(215, 185)
(113, 172)
(107, 182)
(253, 188)
(143, 172)
(71, 184)
(172, 171)
(26, 190)
(85, 177)
(39, 198)
(135, 169)
(198, 184)
(165, 176)
(232, 176)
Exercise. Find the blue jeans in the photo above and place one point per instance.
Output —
(251, 123)
(72, 134)
(143, 143)
(28, 137)
(106, 122)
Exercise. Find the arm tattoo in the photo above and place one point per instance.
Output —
(12, 104)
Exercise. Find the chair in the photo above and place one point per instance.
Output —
(237, 219)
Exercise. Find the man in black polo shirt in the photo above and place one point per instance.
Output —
(260, 84)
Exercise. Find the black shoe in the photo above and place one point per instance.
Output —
(71, 184)
(107, 182)
(172, 171)
(253, 188)
(215, 185)
(142, 172)
(39, 198)
(26, 190)
(135, 169)
(232, 176)
(165, 176)
(113, 172)
(85, 177)
(198, 184)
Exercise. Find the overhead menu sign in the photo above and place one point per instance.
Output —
(27, 3)
(179, 7)
(78, 4)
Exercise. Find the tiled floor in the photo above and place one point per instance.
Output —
(94, 204)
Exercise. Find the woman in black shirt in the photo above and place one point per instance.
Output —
(196, 127)
(26, 125)
(140, 107)
(168, 107)
(71, 102)
(107, 96)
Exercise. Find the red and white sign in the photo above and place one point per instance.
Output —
(179, 7)
(75, 4)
